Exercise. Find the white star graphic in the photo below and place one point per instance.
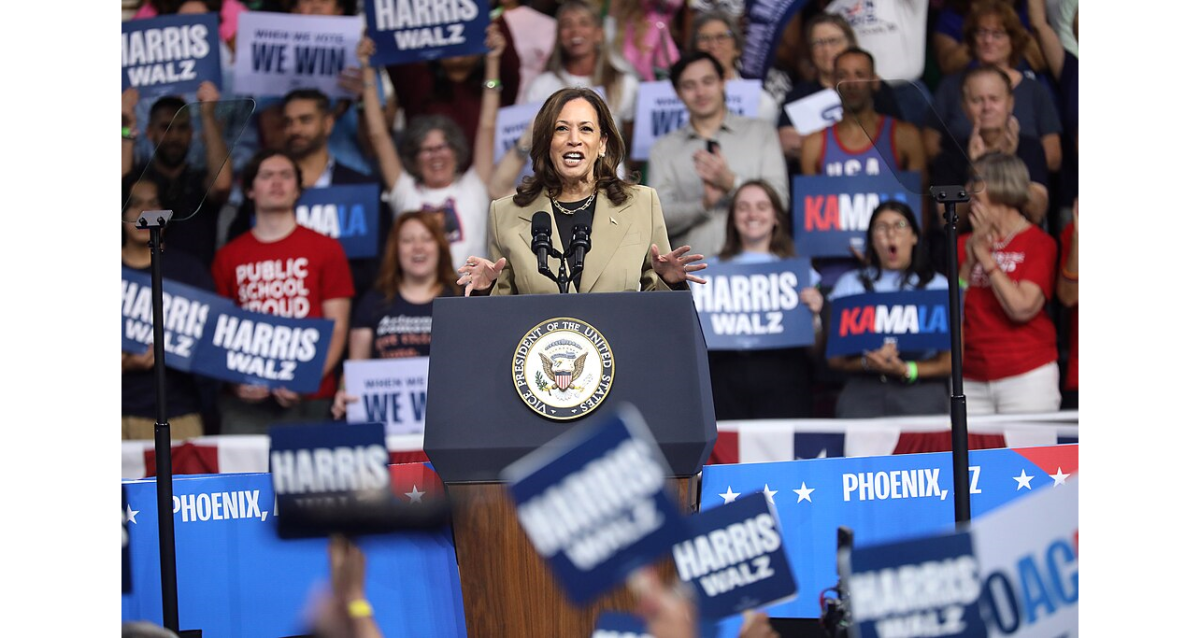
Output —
(1059, 478)
(729, 495)
(769, 492)
(824, 453)
(1023, 480)
(414, 495)
(131, 514)
(804, 493)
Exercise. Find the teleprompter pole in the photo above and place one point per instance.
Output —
(155, 221)
(948, 197)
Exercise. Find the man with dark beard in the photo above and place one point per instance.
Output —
(183, 188)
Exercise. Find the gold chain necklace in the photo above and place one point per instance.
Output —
(587, 202)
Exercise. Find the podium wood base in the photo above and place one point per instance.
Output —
(507, 589)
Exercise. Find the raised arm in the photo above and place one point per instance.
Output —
(504, 176)
(1047, 39)
(129, 100)
(220, 169)
(485, 136)
(380, 137)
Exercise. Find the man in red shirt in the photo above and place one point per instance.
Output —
(283, 269)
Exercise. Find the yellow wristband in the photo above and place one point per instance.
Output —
(911, 373)
(360, 609)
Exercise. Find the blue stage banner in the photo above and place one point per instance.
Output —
(407, 31)
(917, 319)
(924, 587)
(186, 310)
(830, 213)
(882, 499)
(765, 22)
(615, 624)
(349, 214)
(754, 306)
(594, 504)
(734, 558)
(237, 579)
(241, 346)
(170, 55)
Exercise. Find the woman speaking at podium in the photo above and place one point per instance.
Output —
(576, 192)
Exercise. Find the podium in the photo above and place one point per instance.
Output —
(477, 423)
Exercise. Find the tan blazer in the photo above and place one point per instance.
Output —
(618, 261)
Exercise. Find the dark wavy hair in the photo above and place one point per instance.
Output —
(781, 237)
(390, 273)
(604, 171)
(919, 265)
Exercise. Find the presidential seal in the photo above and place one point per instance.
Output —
(563, 368)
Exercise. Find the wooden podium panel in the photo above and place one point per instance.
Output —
(508, 590)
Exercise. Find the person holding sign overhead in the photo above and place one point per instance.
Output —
(576, 150)
(1010, 353)
(427, 173)
(886, 381)
(772, 383)
(395, 318)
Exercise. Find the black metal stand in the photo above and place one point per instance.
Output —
(948, 197)
(562, 279)
(155, 221)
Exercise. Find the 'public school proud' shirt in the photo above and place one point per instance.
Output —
(291, 277)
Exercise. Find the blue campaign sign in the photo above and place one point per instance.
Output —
(238, 579)
(615, 624)
(830, 213)
(241, 346)
(754, 306)
(308, 459)
(917, 319)
(734, 558)
(594, 505)
(765, 22)
(348, 213)
(410, 31)
(186, 310)
(924, 587)
(882, 499)
(170, 54)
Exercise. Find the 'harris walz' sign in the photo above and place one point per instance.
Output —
(594, 504)
(830, 213)
(414, 31)
(207, 334)
(917, 319)
(170, 54)
(755, 306)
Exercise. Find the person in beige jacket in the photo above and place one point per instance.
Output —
(576, 150)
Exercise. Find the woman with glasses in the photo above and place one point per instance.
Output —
(429, 171)
(1008, 267)
(885, 381)
(719, 34)
(995, 36)
(763, 384)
